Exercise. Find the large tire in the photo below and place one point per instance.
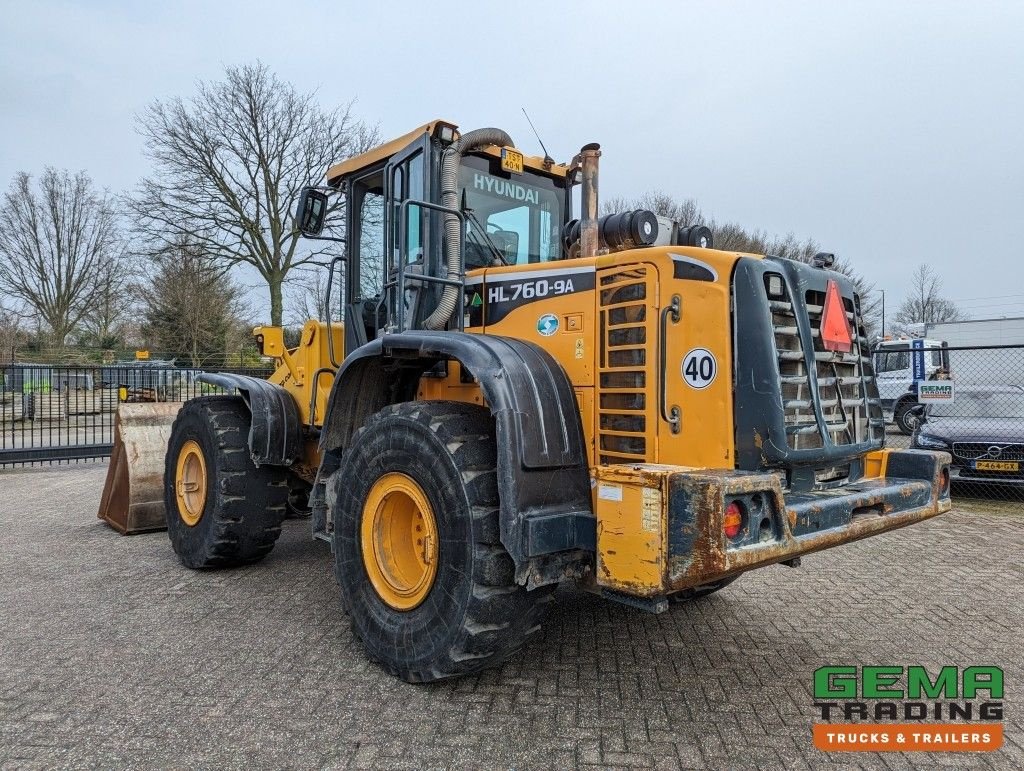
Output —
(905, 420)
(235, 517)
(473, 614)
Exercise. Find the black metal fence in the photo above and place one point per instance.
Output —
(967, 401)
(55, 413)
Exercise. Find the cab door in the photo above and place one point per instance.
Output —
(364, 274)
(407, 233)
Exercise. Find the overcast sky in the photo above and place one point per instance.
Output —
(890, 132)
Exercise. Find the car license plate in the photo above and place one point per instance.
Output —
(511, 160)
(997, 465)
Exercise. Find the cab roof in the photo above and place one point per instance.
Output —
(386, 150)
(379, 153)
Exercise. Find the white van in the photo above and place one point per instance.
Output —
(894, 372)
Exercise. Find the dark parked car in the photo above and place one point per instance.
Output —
(983, 429)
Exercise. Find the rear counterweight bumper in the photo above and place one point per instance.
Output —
(687, 546)
(914, 486)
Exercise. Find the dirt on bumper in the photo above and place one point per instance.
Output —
(780, 527)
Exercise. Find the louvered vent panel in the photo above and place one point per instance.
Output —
(626, 367)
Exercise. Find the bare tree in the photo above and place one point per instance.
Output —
(191, 308)
(686, 212)
(925, 303)
(307, 296)
(733, 237)
(229, 165)
(105, 323)
(55, 243)
(12, 332)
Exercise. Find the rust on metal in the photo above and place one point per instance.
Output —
(133, 494)
(711, 559)
(589, 237)
(304, 471)
(630, 503)
(634, 554)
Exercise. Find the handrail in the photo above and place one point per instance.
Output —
(671, 416)
(327, 309)
(403, 226)
(314, 389)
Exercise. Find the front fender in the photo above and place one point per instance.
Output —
(275, 434)
(543, 475)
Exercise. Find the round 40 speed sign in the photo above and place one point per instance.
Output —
(699, 368)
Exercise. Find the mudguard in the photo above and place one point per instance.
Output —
(275, 435)
(543, 476)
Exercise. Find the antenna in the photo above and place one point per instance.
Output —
(548, 160)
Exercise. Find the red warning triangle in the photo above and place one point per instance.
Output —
(836, 334)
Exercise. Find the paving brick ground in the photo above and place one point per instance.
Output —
(113, 655)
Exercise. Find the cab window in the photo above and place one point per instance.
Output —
(408, 183)
(370, 242)
(892, 361)
(517, 216)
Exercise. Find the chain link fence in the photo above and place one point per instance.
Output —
(58, 413)
(967, 401)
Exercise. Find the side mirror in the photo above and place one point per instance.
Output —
(920, 412)
(311, 211)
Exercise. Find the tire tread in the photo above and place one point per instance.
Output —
(499, 616)
(248, 501)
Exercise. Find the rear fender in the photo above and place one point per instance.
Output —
(543, 476)
(275, 434)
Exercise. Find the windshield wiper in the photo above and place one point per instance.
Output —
(487, 242)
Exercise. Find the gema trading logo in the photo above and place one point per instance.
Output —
(907, 709)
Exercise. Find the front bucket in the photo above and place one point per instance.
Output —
(133, 495)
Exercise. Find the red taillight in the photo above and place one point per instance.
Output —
(732, 522)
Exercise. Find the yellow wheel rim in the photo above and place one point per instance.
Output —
(190, 483)
(399, 541)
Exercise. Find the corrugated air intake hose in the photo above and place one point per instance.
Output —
(450, 163)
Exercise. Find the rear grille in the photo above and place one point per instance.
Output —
(850, 413)
(851, 416)
(976, 450)
(625, 416)
(797, 401)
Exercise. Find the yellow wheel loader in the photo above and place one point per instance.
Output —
(513, 398)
